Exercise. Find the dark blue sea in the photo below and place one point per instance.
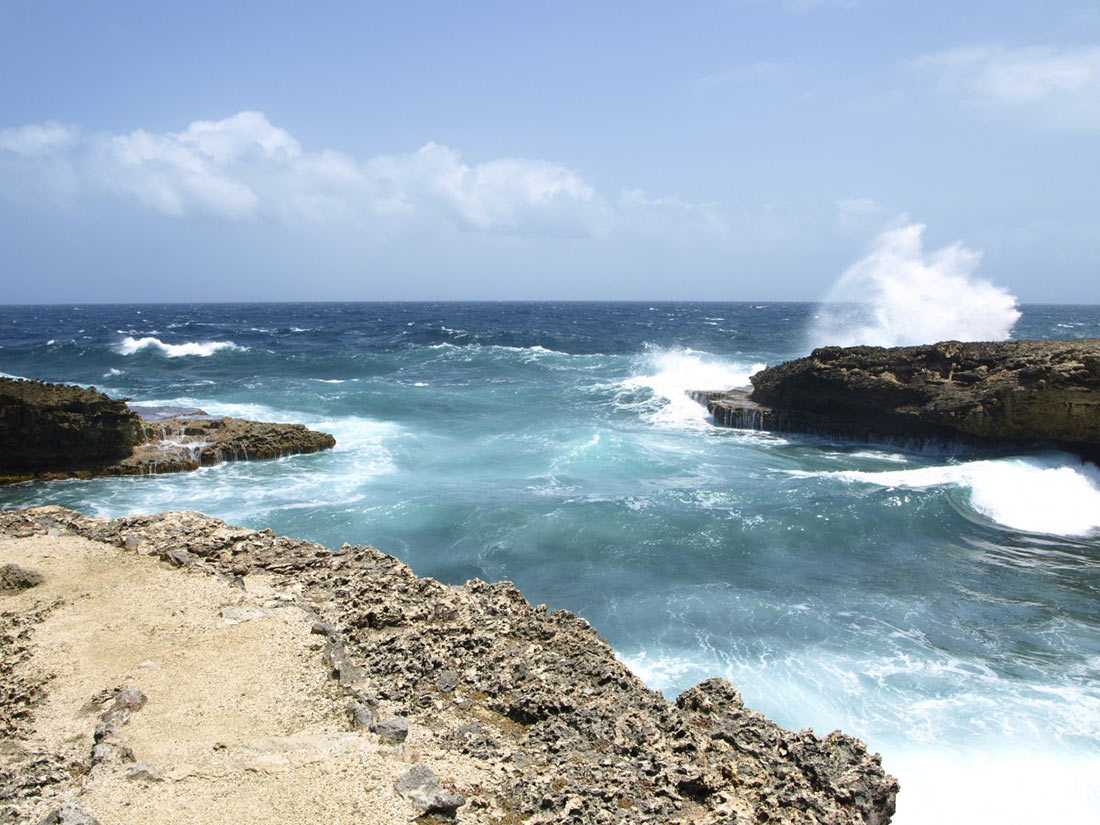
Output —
(942, 607)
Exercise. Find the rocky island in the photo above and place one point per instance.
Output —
(979, 393)
(176, 669)
(52, 431)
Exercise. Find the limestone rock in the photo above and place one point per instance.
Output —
(68, 814)
(14, 577)
(421, 787)
(988, 392)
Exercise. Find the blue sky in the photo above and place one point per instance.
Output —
(727, 151)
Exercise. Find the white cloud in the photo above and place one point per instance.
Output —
(37, 139)
(1059, 87)
(246, 168)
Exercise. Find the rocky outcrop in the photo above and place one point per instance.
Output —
(46, 426)
(192, 439)
(983, 392)
(54, 431)
(567, 732)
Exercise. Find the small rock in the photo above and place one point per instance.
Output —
(393, 731)
(323, 629)
(237, 615)
(129, 698)
(361, 717)
(107, 752)
(447, 681)
(421, 787)
(144, 772)
(14, 577)
(68, 814)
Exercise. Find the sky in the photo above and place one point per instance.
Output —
(738, 150)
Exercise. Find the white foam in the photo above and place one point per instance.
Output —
(670, 374)
(1057, 494)
(1009, 786)
(202, 349)
(112, 372)
(897, 295)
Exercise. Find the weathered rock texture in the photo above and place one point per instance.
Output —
(52, 431)
(46, 426)
(570, 733)
(1005, 391)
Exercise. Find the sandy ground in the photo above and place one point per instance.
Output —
(242, 723)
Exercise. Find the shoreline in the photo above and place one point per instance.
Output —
(561, 730)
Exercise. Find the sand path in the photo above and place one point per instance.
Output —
(242, 723)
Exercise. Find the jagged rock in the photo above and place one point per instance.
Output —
(571, 734)
(14, 577)
(68, 814)
(421, 787)
(1004, 391)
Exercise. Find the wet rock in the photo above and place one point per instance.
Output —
(979, 392)
(53, 431)
(14, 577)
(50, 427)
(421, 787)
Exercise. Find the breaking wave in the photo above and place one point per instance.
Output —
(203, 349)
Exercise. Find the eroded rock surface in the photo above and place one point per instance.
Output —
(1003, 391)
(570, 734)
(46, 426)
(53, 431)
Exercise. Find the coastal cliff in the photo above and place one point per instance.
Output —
(459, 702)
(982, 392)
(53, 431)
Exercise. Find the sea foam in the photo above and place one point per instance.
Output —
(203, 349)
(897, 295)
(668, 375)
(1056, 495)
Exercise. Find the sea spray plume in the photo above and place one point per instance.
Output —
(896, 296)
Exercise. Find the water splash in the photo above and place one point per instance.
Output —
(668, 375)
(897, 295)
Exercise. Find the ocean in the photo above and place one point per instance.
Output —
(941, 606)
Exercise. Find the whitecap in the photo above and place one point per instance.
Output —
(202, 349)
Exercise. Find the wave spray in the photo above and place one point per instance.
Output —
(896, 295)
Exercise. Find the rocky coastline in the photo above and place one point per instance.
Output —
(978, 394)
(480, 707)
(56, 431)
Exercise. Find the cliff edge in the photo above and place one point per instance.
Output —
(455, 703)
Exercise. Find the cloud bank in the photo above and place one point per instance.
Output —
(247, 169)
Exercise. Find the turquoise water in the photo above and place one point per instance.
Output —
(941, 606)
